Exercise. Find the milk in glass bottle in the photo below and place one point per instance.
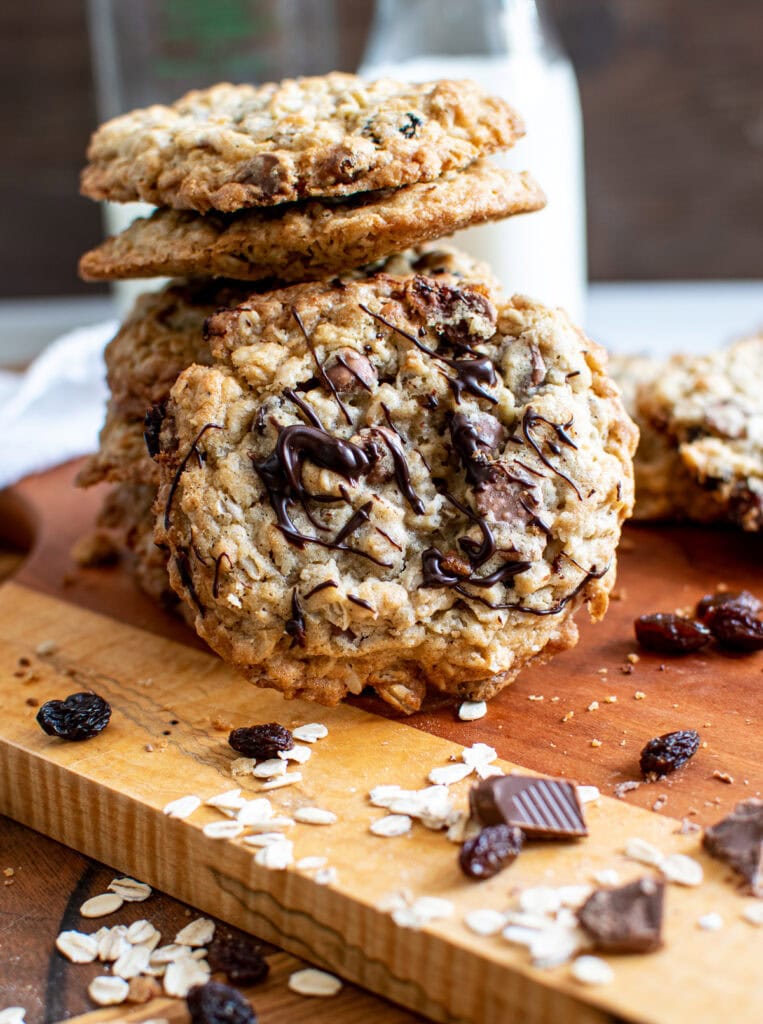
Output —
(509, 47)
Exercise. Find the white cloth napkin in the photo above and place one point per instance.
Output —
(53, 411)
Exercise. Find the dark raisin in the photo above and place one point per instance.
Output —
(240, 959)
(79, 717)
(215, 1003)
(670, 634)
(261, 741)
(735, 628)
(665, 753)
(410, 126)
(491, 851)
(742, 600)
(152, 424)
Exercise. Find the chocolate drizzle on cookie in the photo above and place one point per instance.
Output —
(325, 379)
(530, 421)
(184, 571)
(295, 626)
(216, 580)
(193, 450)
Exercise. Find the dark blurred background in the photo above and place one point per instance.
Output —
(672, 96)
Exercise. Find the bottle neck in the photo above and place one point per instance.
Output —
(406, 29)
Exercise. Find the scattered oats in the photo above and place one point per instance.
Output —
(275, 856)
(315, 816)
(229, 801)
(394, 901)
(143, 990)
(633, 658)
(639, 695)
(449, 774)
(77, 947)
(488, 771)
(242, 766)
(112, 943)
(9, 872)
(312, 982)
(592, 970)
(310, 733)
(255, 811)
(298, 753)
(198, 933)
(540, 899)
(100, 906)
(477, 754)
(595, 743)
(143, 933)
(311, 863)
(326, 876)
(593, 706)
(391, 825)
(277, 825)
(471, 710)
(753, 914)
(567, 716)
(556, 945)
(422, 912)
(130, 890)
(535, 696)
(688, 827)
(181, 975)
(710, 922)
(166, 954)
(681, 869)
(132, 962)
(602, 671)
(520, 935)
(484, 922)
(587, 794)
(660, 802)
(108, 991)
(285, 780)
(723, 777)
(462, 828)
(380, 796)
(12, 1015)
(46, 648)
(607, 876)
(574, 895)
(643, 852)
(183, 807)
(611, 699)
(223, 829)
(270, 769)
(625, 787)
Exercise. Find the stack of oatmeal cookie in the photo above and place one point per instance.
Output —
(385, 474)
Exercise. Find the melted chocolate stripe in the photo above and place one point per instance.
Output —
(184, 570)
(305, 409)
(592, 574)
(295, 626)
(216, 581)
(325, 379)
(402, 474)
(355, 521)
(181, 469)
(529, 421)
(321, 586)
(360, 602)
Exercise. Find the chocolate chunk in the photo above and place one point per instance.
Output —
(342, 165)
(543, 808)
(625, 920)
(506, 500)
(266, 172)
(463, 316)
(350, 370)
(538, 367)
(472, 437)
(737, 840)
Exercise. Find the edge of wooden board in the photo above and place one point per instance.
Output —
(105, 798)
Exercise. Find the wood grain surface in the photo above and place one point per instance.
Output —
(669, 567)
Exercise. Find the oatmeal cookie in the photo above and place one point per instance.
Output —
(164, 334)
(234, 146)
(701, 452)
(315, 238)
(393, 482)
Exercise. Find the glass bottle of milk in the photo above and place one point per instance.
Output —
(509, 47)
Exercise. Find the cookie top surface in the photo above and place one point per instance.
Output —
(397, 482)
(234, 146)
(313, 238)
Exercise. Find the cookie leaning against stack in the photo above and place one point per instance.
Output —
(408, 481)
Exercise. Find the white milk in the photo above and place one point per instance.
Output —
(541, 254)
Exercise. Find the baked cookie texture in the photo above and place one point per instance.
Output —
(315, 238)
(393, 482)
(234, 146)
(164, 334)
(701, 419)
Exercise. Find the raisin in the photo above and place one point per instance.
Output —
(665, 753)
(215, 1003)
(240, 959)
(735, 628)
(743, 600)
(491, 851)
(261, 741)
(152, 424)
(670, 634)
(79, 717)
(410, 126)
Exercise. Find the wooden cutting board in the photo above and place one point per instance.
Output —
(105, 797)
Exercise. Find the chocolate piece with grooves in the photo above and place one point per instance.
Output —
(544, 808)
(737, 840)
(627, 919)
